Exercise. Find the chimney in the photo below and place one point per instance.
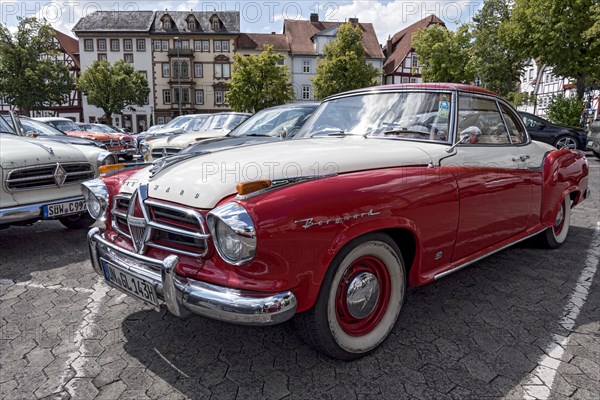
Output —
(388, 46)
(272, 33)
(314, 17)
(353, 20)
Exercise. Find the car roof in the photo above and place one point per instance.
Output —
(45, 119)
(461, 87)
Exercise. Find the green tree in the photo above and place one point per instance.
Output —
(32, 72)
(562, 34)
(259, 82)
(492, 59)
(565, 110)
(444, 55)
(345, 66)
(113, 87)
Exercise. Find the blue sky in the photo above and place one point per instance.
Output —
(262, 16)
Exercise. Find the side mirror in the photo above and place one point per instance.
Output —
(31, 134)
(541, 126)
(465, 136)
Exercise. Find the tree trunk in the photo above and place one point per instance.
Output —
(108, 116)
(538, 79)
(580, 79)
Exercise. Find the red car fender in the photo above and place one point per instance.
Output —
(564, 172)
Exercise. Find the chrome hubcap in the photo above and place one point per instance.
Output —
(362, 295)
(559, 217)
(566, 143)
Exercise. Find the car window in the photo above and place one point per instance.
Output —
(5, 127)
(226, 121)
(529, 122)
(515, 129)
(30, 125)
(178, 122)
(272, 122)
(197, 124)
(483, 114)
(65, 126)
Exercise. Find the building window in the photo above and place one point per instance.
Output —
(222, 71)
(185, 95)
(166, 70)
(102, 57)
(221, 46)
(305, 92)
(165, 45)
(414, 80)
(101, 44)
(215, 24)
(127, 45)
(217, 45)
(185, 44)
(157, 45)
(404, 79)
(306, 66)
(225, 46)
(206, 46)
(198, 70)
(166, 96)
(144, 73)
(531, 74)
(199, 96)
(128, 57)
(141, 44)
(197, 45)
(218, 97)
(191, 25)
(160, 120)
(280, 62)
(167, 24)
(184, 69)
(89, 44)
(415, 61)
(114, 45)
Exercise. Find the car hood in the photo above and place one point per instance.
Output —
(185, 139)
(18, 151)
(68, 139)
(90, 135)
(224, 143)
(204, 180)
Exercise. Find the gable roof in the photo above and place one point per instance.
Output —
(230, 22)
(106, 21)
(258, 41)
(401, 43)
(300, 35)
(69, 45)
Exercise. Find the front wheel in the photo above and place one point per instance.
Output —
(565, 142)
(556, 235)
(79, 221)
(359, 301)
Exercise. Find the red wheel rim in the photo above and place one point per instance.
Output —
(361, 326)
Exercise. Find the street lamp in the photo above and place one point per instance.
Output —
(177, 47)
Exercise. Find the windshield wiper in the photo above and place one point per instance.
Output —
(401, 131)
(255, 135)
(330, 132)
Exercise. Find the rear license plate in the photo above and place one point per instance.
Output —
(132, 285)
(69, 207)
(590, 143)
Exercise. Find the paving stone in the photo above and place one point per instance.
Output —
(111, 391)
(135, 378)
(81, 388)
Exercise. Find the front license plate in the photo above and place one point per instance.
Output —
(69, 207)
(590, 143)
(134, 286)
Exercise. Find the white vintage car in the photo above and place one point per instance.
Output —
(41, 179)
(216, 125)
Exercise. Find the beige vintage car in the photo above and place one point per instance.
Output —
(216, 125)
(41, 179)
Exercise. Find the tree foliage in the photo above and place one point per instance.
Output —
(565, 110)
(33, 74)
(345, 66)
(113, 87)
(492, 58)
(258, 82)
(562, 34)
(444, 55)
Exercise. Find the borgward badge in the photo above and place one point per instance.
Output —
(137, 219)
(60, 175)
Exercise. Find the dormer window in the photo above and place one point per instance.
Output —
(167, 22)
(215, 23)
(191, 25)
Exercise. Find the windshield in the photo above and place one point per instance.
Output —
(5, 127)
(399, 115)
(65, 126)
(178, 122)
(197, 123)
(31, 125)
(225, 121)
(272, 122)
(98, 128)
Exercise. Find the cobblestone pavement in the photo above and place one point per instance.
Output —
(523, 323)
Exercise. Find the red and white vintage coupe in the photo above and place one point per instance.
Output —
(385, 188)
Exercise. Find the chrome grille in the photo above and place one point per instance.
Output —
(173, 228)
(44, 176)
(158, 152)
(111, 143)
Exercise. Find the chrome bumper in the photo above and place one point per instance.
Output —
(183, 295)
(28, 212)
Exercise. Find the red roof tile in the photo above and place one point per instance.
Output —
(69, 45)
(402, 43)
(258, 41)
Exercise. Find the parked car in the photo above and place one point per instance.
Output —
(129, 142)
(175, 127)
(216, 125)
(593, 143)
(268, 125)
(41, 179)
(334, 227)
(115, 144)
(561, 137)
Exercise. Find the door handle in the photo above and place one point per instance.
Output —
(524, 158)
(516, 159)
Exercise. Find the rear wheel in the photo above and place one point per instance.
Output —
(79, 221)
(565, 142)
(360, 299)
(556, 235)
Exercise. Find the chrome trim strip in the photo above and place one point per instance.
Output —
(183, 295)
(174, 250)
(177, 231)
(459, 267)
(30, 211)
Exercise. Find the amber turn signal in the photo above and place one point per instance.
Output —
(245, 188)
(104, 169)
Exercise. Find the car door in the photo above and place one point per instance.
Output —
(494, 183)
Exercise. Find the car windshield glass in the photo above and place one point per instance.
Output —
(31, 125)
(106, 129)
(273, 122)
(398, 115)
(5, 127)
(197, 123)
(226, 121)
(65, 126)
(178, 122)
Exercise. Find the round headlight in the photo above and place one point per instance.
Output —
(233, 233)
(144, 148)
(122, 140)
(105, 158)
(95, 194)
(227, 241)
